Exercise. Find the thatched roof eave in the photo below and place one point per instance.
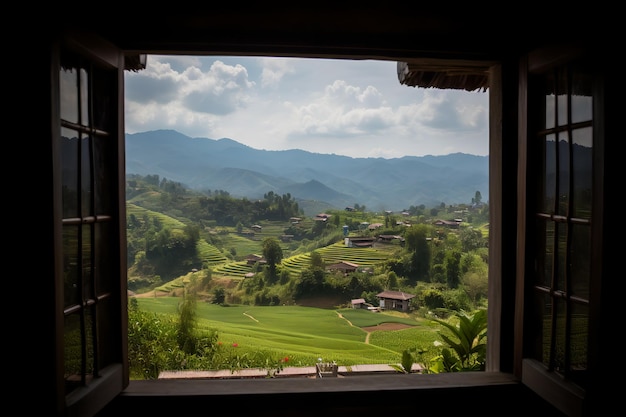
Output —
(445, 74)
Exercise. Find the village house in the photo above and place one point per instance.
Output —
(253, 259)
(394, 300)
(390, 238)
(453, 224)
(358, 303)
(343, 266)
(359, 242)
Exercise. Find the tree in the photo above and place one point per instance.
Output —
(392, 280)
(472, 239)
(219, 295)
(419, 250)
(273, 254)
(185, 334)
(316, 260)
(452, 264)
(477, 198)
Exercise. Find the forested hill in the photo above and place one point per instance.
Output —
(337, 181)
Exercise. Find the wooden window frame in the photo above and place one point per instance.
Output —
(499, 371)
(99, 386)
(505, 358)
(554, 387)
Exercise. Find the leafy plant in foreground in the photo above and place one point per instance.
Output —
(467, 346)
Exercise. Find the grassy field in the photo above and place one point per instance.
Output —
(305, 334)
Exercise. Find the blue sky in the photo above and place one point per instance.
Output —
(356, 108)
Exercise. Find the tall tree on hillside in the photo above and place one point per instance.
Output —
(273, 254)
(185, 332)
(477, 198)
(452, 263)
(316, 260)
(418, 247)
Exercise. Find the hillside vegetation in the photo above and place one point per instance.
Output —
(239, 260)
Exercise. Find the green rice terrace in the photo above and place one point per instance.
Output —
(305, 334)
(267, 282)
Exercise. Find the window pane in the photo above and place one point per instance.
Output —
(73, 351)
(561, 98)
(547, 195)
(580, 254)
(85, 183)
(545, 253)
(582, 103)
(549, 103)
(107, 329)
(103, 254)
(579, 341)
(560, 348)
(69, 94)
(560, 261)
(563, 174)
(103, 177)
(71, 266)
(104, 85)
(542, 333)
(87, 255)
(69, 161)
(84, 97)
(582, 172)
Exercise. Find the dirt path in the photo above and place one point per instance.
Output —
(377, 328)
(250, 317)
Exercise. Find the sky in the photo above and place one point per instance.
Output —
(356, 108)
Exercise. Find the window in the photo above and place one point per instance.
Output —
(93, 310)
(523, 232)
(320, 76)
(559, 281)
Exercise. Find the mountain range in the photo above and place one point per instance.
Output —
(330, 180)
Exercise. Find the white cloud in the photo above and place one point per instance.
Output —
(354, 108)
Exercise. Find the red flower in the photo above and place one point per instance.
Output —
(235, 344)
(286, 359)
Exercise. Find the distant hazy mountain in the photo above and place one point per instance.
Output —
(333, 180)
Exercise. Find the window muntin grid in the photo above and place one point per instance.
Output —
(87, 209)
(563, 223)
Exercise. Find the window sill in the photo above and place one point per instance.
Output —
(456, 393)
(264, 386)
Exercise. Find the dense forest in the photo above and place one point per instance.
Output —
(438, 253)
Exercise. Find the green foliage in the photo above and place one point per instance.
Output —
(452, 266)
(432, 298)
(219, 295)
(472, 239)
(316, 260)
(187, 340)
(406, 363)
(466, 344)
(272, 252)
(183, 232)
(151, 342)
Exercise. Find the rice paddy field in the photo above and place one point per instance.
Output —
(306, 334)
